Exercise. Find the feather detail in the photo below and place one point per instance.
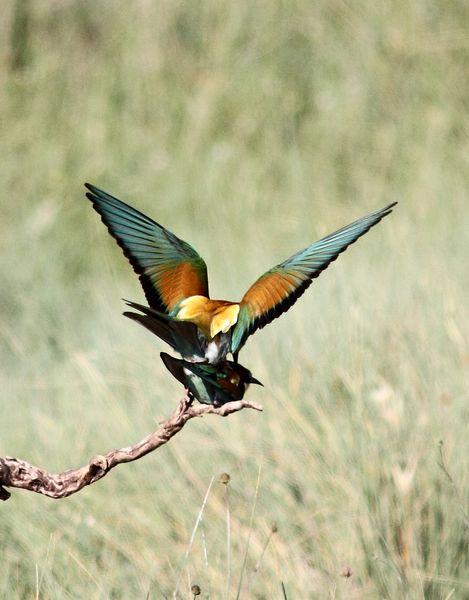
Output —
(223, 320)
(180, 335)
(169, 268)
(278, 289)
(211, 316)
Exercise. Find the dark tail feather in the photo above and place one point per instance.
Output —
(160, 328)
(180, 335)
(175, 367)
(146, 310)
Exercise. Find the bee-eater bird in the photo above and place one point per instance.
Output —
(211, 384)
(174, 276)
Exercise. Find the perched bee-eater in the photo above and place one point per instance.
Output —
(174, 276)
(211, 384)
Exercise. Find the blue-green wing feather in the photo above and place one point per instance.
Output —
(280, 287)
(169, 268)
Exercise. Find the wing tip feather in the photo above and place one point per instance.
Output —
(260, 321)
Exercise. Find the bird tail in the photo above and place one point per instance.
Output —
(180, 335)
(158, 327)
(175, 366)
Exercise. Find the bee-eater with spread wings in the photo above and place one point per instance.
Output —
(208, 383)
(174, 276)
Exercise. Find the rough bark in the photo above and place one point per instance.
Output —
(17, 473)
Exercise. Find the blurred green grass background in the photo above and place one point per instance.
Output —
(249, 129)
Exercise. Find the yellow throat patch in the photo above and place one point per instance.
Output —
(211, 316)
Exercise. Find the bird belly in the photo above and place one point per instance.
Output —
(212, 352)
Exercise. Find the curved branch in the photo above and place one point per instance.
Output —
(17, 473)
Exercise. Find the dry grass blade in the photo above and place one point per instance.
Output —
(251, 522)
(191, 541)
(444, 468)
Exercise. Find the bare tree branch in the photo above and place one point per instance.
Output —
(17, 473)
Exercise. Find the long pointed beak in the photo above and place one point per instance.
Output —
(256, 381)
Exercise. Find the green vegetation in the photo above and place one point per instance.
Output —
(249, 129)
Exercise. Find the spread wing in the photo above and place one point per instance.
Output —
(278, 289)
(169, 269)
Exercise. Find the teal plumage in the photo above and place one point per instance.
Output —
(210, 384)
(286, 282)
(218, 384)
(169, 268)
(174, 276)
